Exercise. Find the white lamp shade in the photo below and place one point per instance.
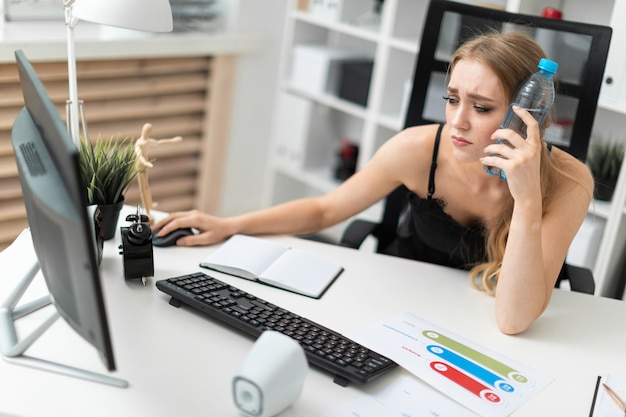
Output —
(146, 15)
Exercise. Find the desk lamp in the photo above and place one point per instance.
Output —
(144, 15)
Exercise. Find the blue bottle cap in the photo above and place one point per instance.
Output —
(547, 65)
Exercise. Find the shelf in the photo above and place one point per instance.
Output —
(338, 27)
(392, 122)
(328, 100)
(319, 178)
(97, 47)
(600, 208)
(615, 108)
(407, 45)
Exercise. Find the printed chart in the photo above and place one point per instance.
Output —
(484, 381)
(404, 397)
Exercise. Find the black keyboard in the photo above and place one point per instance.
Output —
(329, 350)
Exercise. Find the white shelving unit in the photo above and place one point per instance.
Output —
(310, 123)
(611, 251)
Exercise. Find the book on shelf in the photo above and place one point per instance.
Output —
(272, 263)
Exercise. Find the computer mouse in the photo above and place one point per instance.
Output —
(170, 238)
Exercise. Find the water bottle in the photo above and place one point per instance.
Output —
(536, 95)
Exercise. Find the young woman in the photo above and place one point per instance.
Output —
(512, 233)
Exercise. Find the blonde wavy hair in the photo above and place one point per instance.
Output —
(513, 56)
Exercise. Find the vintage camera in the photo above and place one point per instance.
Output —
(137, 247)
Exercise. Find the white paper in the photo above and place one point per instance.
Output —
(300, 271)
(245, 256)
(482, 380)
(605, 406)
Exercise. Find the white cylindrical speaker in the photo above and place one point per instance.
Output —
(271, 376)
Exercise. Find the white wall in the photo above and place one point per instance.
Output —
(253, 107)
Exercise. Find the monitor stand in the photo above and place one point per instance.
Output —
(13, 349)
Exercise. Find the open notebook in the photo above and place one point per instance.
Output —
(271, 263)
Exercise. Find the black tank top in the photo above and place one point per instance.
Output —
(427, 233)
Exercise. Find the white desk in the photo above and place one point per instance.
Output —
(179, 362)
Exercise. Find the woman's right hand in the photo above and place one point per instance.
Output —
(212, 229)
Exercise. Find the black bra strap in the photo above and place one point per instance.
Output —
(433, 164)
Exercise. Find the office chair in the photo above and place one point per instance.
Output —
(575, 105)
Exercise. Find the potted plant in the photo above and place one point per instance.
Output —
(108, 166)
(605, 160)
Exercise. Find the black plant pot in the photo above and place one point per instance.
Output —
(604, 188)
(95, 218)
(110, 214)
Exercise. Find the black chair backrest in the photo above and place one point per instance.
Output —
(583, 48)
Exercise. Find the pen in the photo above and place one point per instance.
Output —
(617, 400)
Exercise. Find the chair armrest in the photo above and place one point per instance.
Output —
(580, 279)
(356, 232)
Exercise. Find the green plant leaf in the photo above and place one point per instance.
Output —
(605, 159)
(108, 166)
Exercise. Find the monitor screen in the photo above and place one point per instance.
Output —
(55, 200)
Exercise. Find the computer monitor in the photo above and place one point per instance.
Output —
(61, 230)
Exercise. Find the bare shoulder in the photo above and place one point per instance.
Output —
(572, 166)
(406, 156)
(412, 144)
(576, 176)
(570, 196)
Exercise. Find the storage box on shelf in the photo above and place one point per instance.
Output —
(354, 80)
(317, 68)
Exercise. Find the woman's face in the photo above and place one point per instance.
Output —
(475, 107)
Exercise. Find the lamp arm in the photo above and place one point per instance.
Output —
(123, 13)
(72, 104)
